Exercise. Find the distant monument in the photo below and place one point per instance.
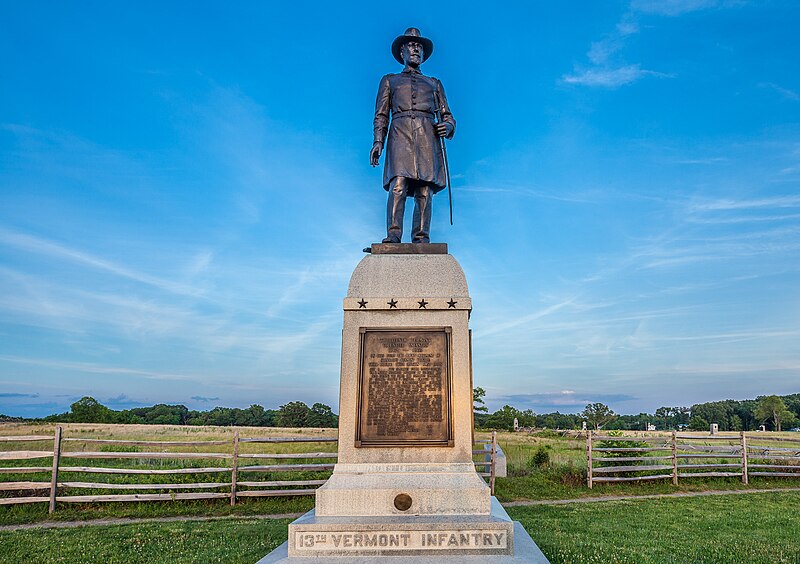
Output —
(405, 483)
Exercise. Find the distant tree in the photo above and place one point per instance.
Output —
(665, 414)
(89, 410)
(293, 414)
(321, 415)
(793, 403)
(598, 414)
(774, 408)
(697, 423)
(197, 418)
(718, 412)
(222, 416)
(504, 418)
(558, 420)
(126, 416)
(163, 414)
(681, 415)
(254, 416)
(478, 405)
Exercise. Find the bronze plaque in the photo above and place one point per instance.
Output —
(404, 388)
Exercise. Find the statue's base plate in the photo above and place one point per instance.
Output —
(525, 552)
(413, 539)
(407, 249)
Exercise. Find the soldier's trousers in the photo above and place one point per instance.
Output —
(399, 189)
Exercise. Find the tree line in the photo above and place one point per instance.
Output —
(292, 414)
(776, 413)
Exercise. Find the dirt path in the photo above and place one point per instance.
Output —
(649, 496)
(129, 521)
(123, 521)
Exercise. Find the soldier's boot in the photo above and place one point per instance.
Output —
(395, 209)
(423, 202)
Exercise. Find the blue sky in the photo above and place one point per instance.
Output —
(185, 190)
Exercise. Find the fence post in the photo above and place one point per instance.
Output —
(744, 459)
(234, 467)
(54, 472)
(589, 458)
(674, 458)
(493, 462)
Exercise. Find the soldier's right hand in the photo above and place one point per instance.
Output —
(375, 154)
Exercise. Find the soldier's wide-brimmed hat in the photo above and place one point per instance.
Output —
(412, 34)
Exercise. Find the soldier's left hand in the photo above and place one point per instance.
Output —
(444, 129)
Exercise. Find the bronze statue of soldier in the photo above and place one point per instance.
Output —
(414, 163)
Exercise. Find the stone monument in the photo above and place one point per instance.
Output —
(405, 484)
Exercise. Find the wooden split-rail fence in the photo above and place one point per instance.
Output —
(612, 458)
(238, 472)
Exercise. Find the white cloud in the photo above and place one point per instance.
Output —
(606, 73)
(94, 368)
(745, 204)
(54, 250)
(610, 78)
(785, 92)
(678, 7)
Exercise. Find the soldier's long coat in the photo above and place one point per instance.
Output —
(412, 148)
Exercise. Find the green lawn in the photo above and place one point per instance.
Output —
(31, 513)
(562, 475)
(228, 541)
(752, 528)
(721, 529)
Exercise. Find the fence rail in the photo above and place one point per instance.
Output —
(238, 480)
(691, 456)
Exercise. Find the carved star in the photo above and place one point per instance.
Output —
(392, 304)
(362, 304)
(422, 303)
(451, 304)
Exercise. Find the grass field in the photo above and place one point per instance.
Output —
(759, 527)
(228, 541)
(723, 529)
(753, 528)
(246, 506)
(562, 477)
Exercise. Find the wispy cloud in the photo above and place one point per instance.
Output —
(610, 77)
(94, 368)
(51, 249)
(517, 190)
(743, 203)
(567, 400)
(784, 92)
(705, 161)
(13, 395)
(524, 319)
(679, 7)
(608, 68)
(204, 399)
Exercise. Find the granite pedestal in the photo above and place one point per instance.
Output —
(405, 484)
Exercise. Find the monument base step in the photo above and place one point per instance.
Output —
(417, 539)
(369, 490)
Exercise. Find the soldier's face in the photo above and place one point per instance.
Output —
(413, 53)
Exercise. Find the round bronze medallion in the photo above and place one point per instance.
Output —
(402, 502)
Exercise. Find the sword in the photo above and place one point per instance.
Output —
(437, 112)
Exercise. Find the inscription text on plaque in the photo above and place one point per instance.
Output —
(404, 388)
